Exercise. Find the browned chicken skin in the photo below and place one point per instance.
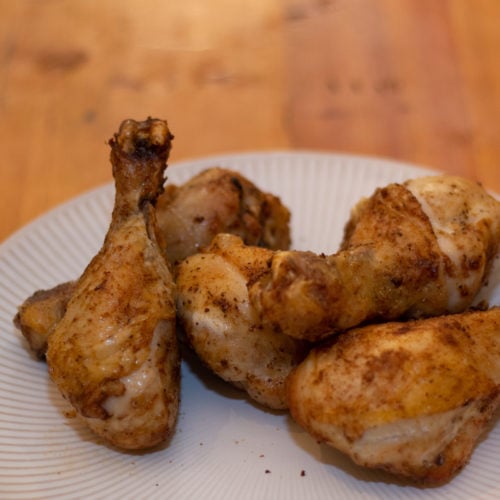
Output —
(222, 327)
(114, 353)
(414, 250)
(214, 201)
(410, 398)
(217, 201)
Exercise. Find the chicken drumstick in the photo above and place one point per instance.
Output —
(410, 398)
(114, 353)
(419, 249)
(222, 327)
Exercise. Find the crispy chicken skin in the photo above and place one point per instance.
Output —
(188, 216)
(414, 250)
(217, 201)
(223, 329)
(410, 398)
(114, 353)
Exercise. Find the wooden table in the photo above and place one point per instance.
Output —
(416, 80)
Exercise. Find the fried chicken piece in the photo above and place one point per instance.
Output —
(114, 353)
(223, 329)
(410, 398)
(39, 314)
(189, 216)
(217, 201)
(415, 250)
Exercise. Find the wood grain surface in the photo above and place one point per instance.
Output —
(415, 80)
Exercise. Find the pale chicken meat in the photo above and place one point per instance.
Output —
(217, 200)
(409, 398)
(223, 329)
(114, 354)
(418, 249)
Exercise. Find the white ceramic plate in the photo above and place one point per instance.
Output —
(224, 447)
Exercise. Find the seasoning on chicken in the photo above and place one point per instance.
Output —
(415, 250)
(222, 327)
(217, 201)
(409, 398)
(114, 353)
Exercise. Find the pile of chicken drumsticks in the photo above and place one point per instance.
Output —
(374, 349)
